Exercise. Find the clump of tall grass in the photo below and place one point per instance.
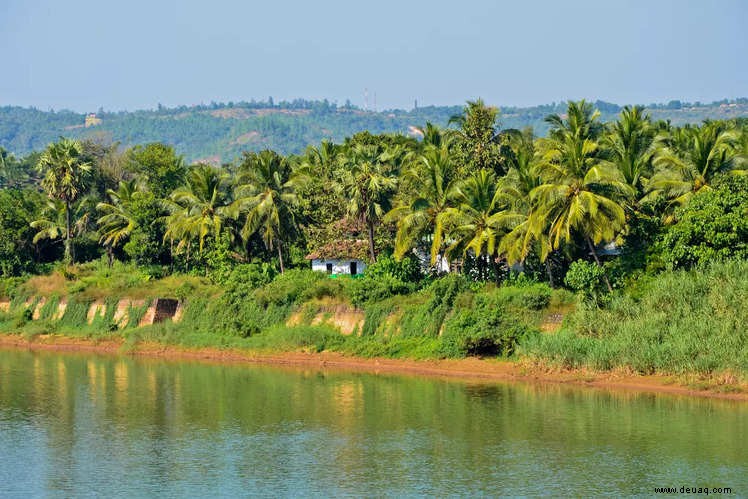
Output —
(677, 323)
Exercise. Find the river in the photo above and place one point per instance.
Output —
(75, 425)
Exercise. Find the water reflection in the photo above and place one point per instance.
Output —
(79, 425)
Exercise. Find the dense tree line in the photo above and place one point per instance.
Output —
(482, 197)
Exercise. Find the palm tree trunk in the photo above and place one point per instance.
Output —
(372, 252)
(280, 257)
(549, 272)
(68, 240)
(594, 255)
(109, 256)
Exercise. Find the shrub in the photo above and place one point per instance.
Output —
(287, 288)
(427, 319)
(485, 328)
(407, 270)
(711, 226)
(587, 279)
(10, 286)
(249, 276)
(377, 288)
(530, 296)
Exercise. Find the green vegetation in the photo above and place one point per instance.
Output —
(644, 221)
(221, 132)
(679, 322)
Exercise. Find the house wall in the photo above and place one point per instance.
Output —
(338, 266)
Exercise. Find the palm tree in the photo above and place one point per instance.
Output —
(434, 136)
(431, 176)
(580, 193)
(629, 146)
(64, 176)
(368, 182)
(199, 208)
(118, 222)
(514, 192)
(53, 219)
(688, 160)
(478, 219)
(266, 194)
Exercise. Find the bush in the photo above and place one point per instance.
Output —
(587, 279)
(251, 275)
(287, 288)
(529, 296)
(712, 226)
(484, 328)
(406, 270)
(377, 288)
(427, 319)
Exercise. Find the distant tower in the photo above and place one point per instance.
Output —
(366, 99)
(415, 104)
(375, 102)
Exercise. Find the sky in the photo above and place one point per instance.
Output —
(135, 54)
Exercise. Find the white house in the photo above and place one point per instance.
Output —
(347, 257)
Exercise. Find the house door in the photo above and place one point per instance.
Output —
(329, 268)
(354, 268)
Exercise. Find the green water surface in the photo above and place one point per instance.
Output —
(103, 426)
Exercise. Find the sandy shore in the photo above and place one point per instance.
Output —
(471, 369)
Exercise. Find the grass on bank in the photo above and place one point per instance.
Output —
(678, 322)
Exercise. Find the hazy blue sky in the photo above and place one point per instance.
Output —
(128, 54)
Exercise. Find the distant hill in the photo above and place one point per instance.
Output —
(219, 132)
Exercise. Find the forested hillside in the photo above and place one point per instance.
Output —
(219, 132)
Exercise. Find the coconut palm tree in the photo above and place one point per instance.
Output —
(199, 208)
(581, 193)
(629, 146)
(64, 176)
(434, 136)
(53, 220)
(514, 192)
(688, 160)
(118, 222)
(478, 219)
(431, 176)
(368, 182)
(266, 195)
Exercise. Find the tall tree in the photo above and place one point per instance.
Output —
(477, 140)
(199, 208)
(118, 221)
(477, 221)
(368, 182)
(430, 177)
(581, 193)
(687, 160)
(64, 177)
(267, 197)
(162, 168)
(629, 146)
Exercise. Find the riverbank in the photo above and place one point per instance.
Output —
(468, 369)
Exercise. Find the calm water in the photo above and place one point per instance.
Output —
(74, 426)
